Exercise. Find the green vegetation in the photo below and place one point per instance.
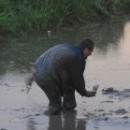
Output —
(38, 15)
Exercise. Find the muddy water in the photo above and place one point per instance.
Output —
(109, 67)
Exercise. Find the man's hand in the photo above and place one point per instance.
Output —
(90, 93)
(93, 92)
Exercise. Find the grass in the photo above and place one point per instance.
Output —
(38, 15)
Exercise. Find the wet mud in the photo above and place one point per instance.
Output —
(27, 113)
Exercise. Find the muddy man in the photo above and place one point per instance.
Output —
(59, 72)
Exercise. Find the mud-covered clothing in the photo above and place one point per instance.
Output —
(62, 66)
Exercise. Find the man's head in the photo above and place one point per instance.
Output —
(87, 46)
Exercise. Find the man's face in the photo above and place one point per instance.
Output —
(87, 52)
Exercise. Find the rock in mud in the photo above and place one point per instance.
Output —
(37, 114)
(106, 119)
(121, 111)
(121, 94)
(109, 91)
(107, 101)
(125, 117)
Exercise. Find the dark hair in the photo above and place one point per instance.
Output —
(87, 43)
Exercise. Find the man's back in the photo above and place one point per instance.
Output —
(55, 59)
(55, 55)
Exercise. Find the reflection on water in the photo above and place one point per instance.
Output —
(66, 121)
(31, 124)
(125, 43)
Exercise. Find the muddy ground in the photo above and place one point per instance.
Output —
(110, 109)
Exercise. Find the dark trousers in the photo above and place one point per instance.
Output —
(54, 95)
(69, 100)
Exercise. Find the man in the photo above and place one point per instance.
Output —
(59, 72)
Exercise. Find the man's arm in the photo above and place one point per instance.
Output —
(76, 74)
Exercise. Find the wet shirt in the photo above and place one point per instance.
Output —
(62, 63)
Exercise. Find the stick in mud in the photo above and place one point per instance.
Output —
(29, 82)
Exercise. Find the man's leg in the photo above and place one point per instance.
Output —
(69, 101)
(53, 93)
(54, 97)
